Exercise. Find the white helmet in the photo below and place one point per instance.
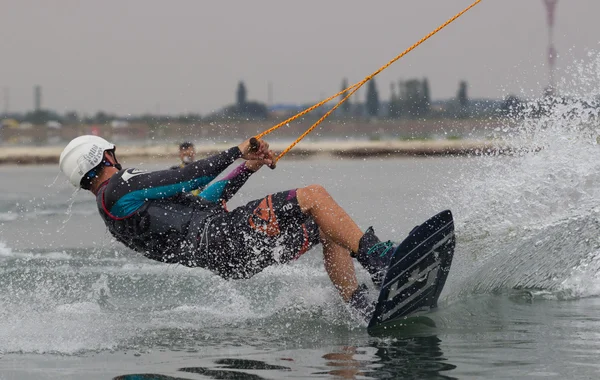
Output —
(81, 155)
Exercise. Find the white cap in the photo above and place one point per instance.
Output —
(81, 155)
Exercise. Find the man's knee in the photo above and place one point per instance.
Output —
(314, 192)
(309, 196)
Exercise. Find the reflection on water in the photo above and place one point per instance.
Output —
(411, 358)
(416, 357)
(148, 376)
(222, 374)
(248, 364)
(344, 364)
(218, 372)
(235, 364)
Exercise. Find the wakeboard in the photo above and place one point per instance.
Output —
(417, 273)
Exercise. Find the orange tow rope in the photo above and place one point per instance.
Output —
(352, 89)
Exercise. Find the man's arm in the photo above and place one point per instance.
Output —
(223, 189)
(131, 188)
(226, 188)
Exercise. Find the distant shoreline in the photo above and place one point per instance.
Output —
(28, 155)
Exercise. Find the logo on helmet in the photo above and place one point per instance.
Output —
(89, 160)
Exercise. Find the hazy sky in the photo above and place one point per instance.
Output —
(136, 56)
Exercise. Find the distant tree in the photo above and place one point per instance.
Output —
(146, 118)
(242, 108)
(401, 98)
(71, 117)
(254, 110)
(250, 110)
(346, 105)
(41, 116)
(413, 98)
(372, 101)
(19, 117)
(394, 103)
(101, 117)
(402, 91)
(194, 117)
(462, 99)
(426, 98)
(190, 118)
(241, 94)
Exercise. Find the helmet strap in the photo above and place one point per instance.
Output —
(116, 165)
(86, 181)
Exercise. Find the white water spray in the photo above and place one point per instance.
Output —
(533, 220)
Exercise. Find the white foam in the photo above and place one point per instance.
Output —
(8, 216)
(584, 280)
(67, 330)
(79, 308)
(5, 250)
(59, 316)
(509, 212)
(54, 256)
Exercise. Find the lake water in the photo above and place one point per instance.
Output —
(521, 300)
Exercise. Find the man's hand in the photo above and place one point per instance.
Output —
(254, 165)
(258, 152)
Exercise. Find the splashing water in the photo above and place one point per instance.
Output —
(58, 175)
(532, 220)
(4, 249)
(526, 221)
(69, 211)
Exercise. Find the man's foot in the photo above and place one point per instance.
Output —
(361, 303)
(374, 255)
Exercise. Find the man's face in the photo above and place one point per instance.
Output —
(187, 155)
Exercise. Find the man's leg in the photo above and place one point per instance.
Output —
(334, 222)
(315, 201)
(339, 267)
(276, 229)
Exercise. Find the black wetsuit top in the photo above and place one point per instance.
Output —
(154, 213)
(175, 167)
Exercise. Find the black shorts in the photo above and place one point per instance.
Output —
(242, 242)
